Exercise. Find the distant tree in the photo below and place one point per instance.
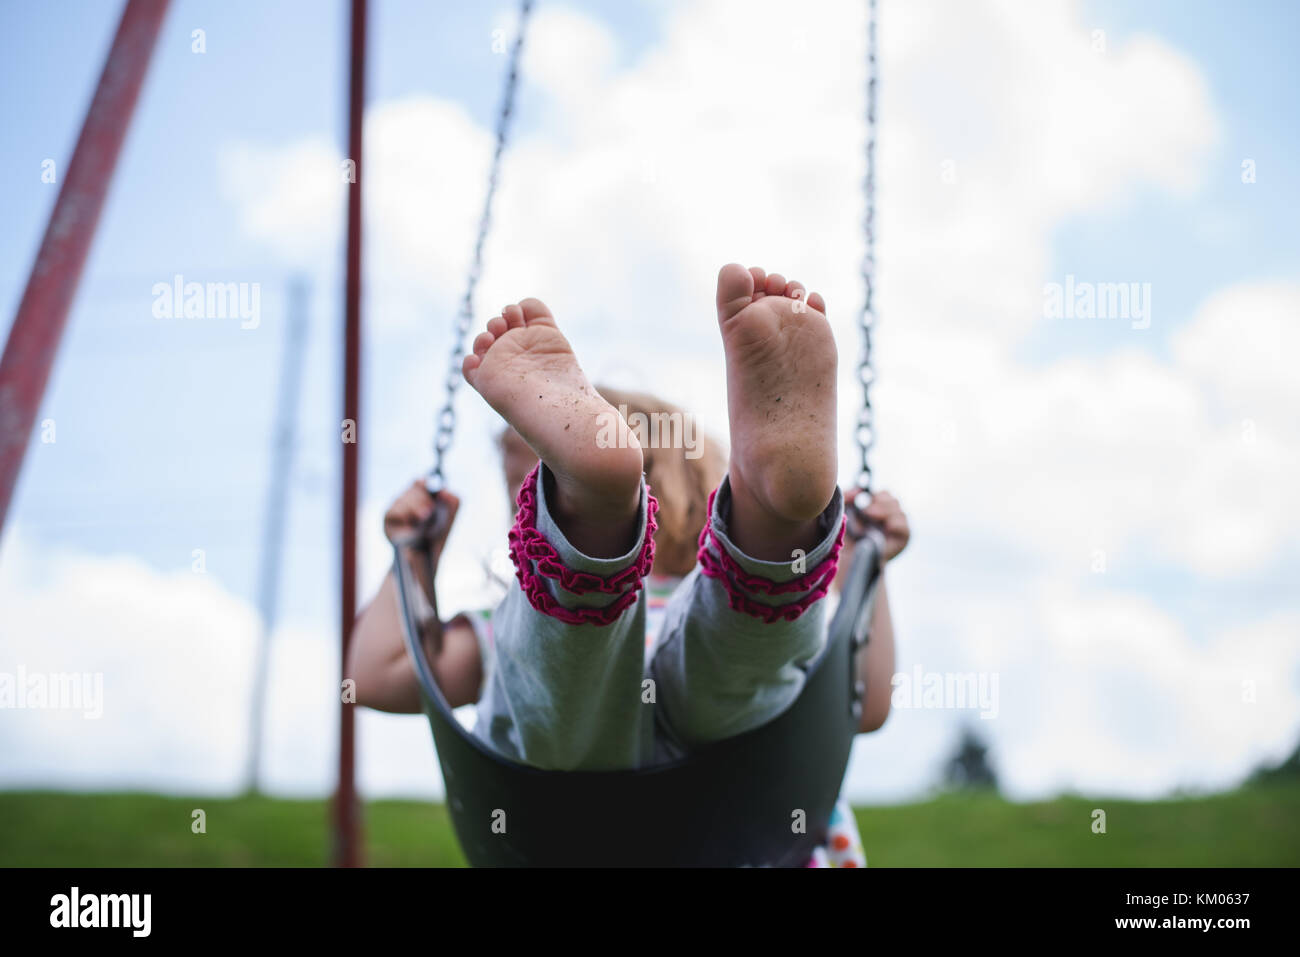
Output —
(969, 768)
(1287, 771)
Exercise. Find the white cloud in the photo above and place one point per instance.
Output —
(174, 651)
(1240, 345)
(295, 196)
(1098, 690)
(1107, 692)
(1119, 452)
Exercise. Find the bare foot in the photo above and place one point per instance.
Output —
(526, 370)
(781, 360)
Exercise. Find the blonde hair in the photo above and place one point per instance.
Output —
(680, 483)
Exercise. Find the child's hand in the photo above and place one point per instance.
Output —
(406, 521)
(885, 512)
(404, 517)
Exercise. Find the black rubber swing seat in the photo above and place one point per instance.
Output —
(760, 799)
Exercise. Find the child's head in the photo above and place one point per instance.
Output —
(682, 466)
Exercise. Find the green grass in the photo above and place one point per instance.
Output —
(1256, 826)
(1253, 827)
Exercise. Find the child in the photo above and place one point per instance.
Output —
(564, 683)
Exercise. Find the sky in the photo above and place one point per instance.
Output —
(1103, 509)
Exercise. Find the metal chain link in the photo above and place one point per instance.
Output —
(864, 432)
(435, 482)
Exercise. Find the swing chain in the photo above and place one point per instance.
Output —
(435, 482)
(864, 432)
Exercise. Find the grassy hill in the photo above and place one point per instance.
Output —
(1256, 826)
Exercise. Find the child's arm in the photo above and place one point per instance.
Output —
(377, 658)
(876, 666)
(385, 677)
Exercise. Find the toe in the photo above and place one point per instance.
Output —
(775, 285)
(735, 289)
(482, 342)
(514, 317)
(496, 325)
(795, 290)
(468, 365)
(534, 309)
(817, 302)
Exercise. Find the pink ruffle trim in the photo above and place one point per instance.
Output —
(717, 563)
(535, 558)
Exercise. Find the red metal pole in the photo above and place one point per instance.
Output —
(347, 825)
(43, 313)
